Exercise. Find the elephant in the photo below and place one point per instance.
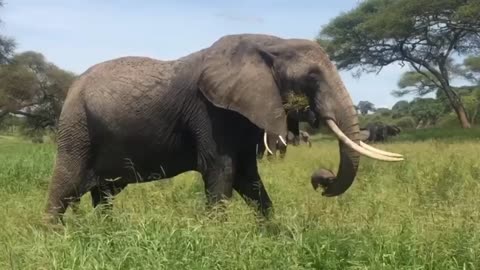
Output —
(379, 132)
(294, 117)
(294, 135)
(305, 137)
(393, 130)
(271, 143)
(137, 119)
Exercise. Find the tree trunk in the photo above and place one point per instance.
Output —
(457, 105)
(462, 117)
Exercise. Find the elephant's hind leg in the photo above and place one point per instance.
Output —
(70, 180)
(67, 186)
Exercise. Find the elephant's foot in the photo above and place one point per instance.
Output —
(53, 221)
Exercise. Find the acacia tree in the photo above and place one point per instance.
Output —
(426, 111)
(472, 69)
(7, 45)
(33, 88)
(365, 106)
(421, 33)
(400, 109)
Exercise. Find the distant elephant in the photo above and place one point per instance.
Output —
(274, 143)
(305, 137)
(379, 132)
(138, 119)
(294, 117)
(393, 130)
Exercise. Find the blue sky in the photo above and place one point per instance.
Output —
(76, 34)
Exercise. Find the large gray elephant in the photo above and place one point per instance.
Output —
(138, 119)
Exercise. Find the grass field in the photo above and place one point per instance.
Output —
(423, 213)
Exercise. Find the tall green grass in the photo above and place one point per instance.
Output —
(422, 213)
(445, 134)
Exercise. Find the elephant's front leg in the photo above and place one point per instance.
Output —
(218, 179)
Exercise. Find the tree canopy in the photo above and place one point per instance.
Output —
(7, 45)
(365, 106)
(472, 69)
(421, 33)
(32, 87)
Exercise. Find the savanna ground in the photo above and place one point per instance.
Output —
(423, 213)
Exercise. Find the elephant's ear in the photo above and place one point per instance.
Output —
(239, 77)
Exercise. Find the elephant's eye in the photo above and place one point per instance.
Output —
(313, 72)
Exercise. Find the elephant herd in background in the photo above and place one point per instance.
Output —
(372, 132)
(294, 135)
(378, 132)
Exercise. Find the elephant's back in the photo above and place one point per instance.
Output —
(126, 83)
(131, 75)
(121, 93)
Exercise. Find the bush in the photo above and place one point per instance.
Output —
(449, 120)
(406, 122)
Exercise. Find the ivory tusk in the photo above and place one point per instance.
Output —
(375, 150)
(342, 137)
(282, 140)
(266, 144)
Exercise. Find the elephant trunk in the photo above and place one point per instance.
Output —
(334, 105)
(340, 114)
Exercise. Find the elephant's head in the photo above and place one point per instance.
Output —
(392, 130)
(252, 74)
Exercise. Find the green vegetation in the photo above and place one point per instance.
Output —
(418, 214)
(443, 134)
(423, 34)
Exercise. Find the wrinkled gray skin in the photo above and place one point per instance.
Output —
(137, 119)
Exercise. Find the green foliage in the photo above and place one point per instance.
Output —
(448, 134)
(473, 63)
(384, 111)
(421, 33)
(448, 120)
(405, 122)
(413, 82)
(427, 110)
(365, 106)
(34, 88)
(7, 45)
(380, 32)
(418, 214)
(472, 69)
(296, 101)
(400, 109)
